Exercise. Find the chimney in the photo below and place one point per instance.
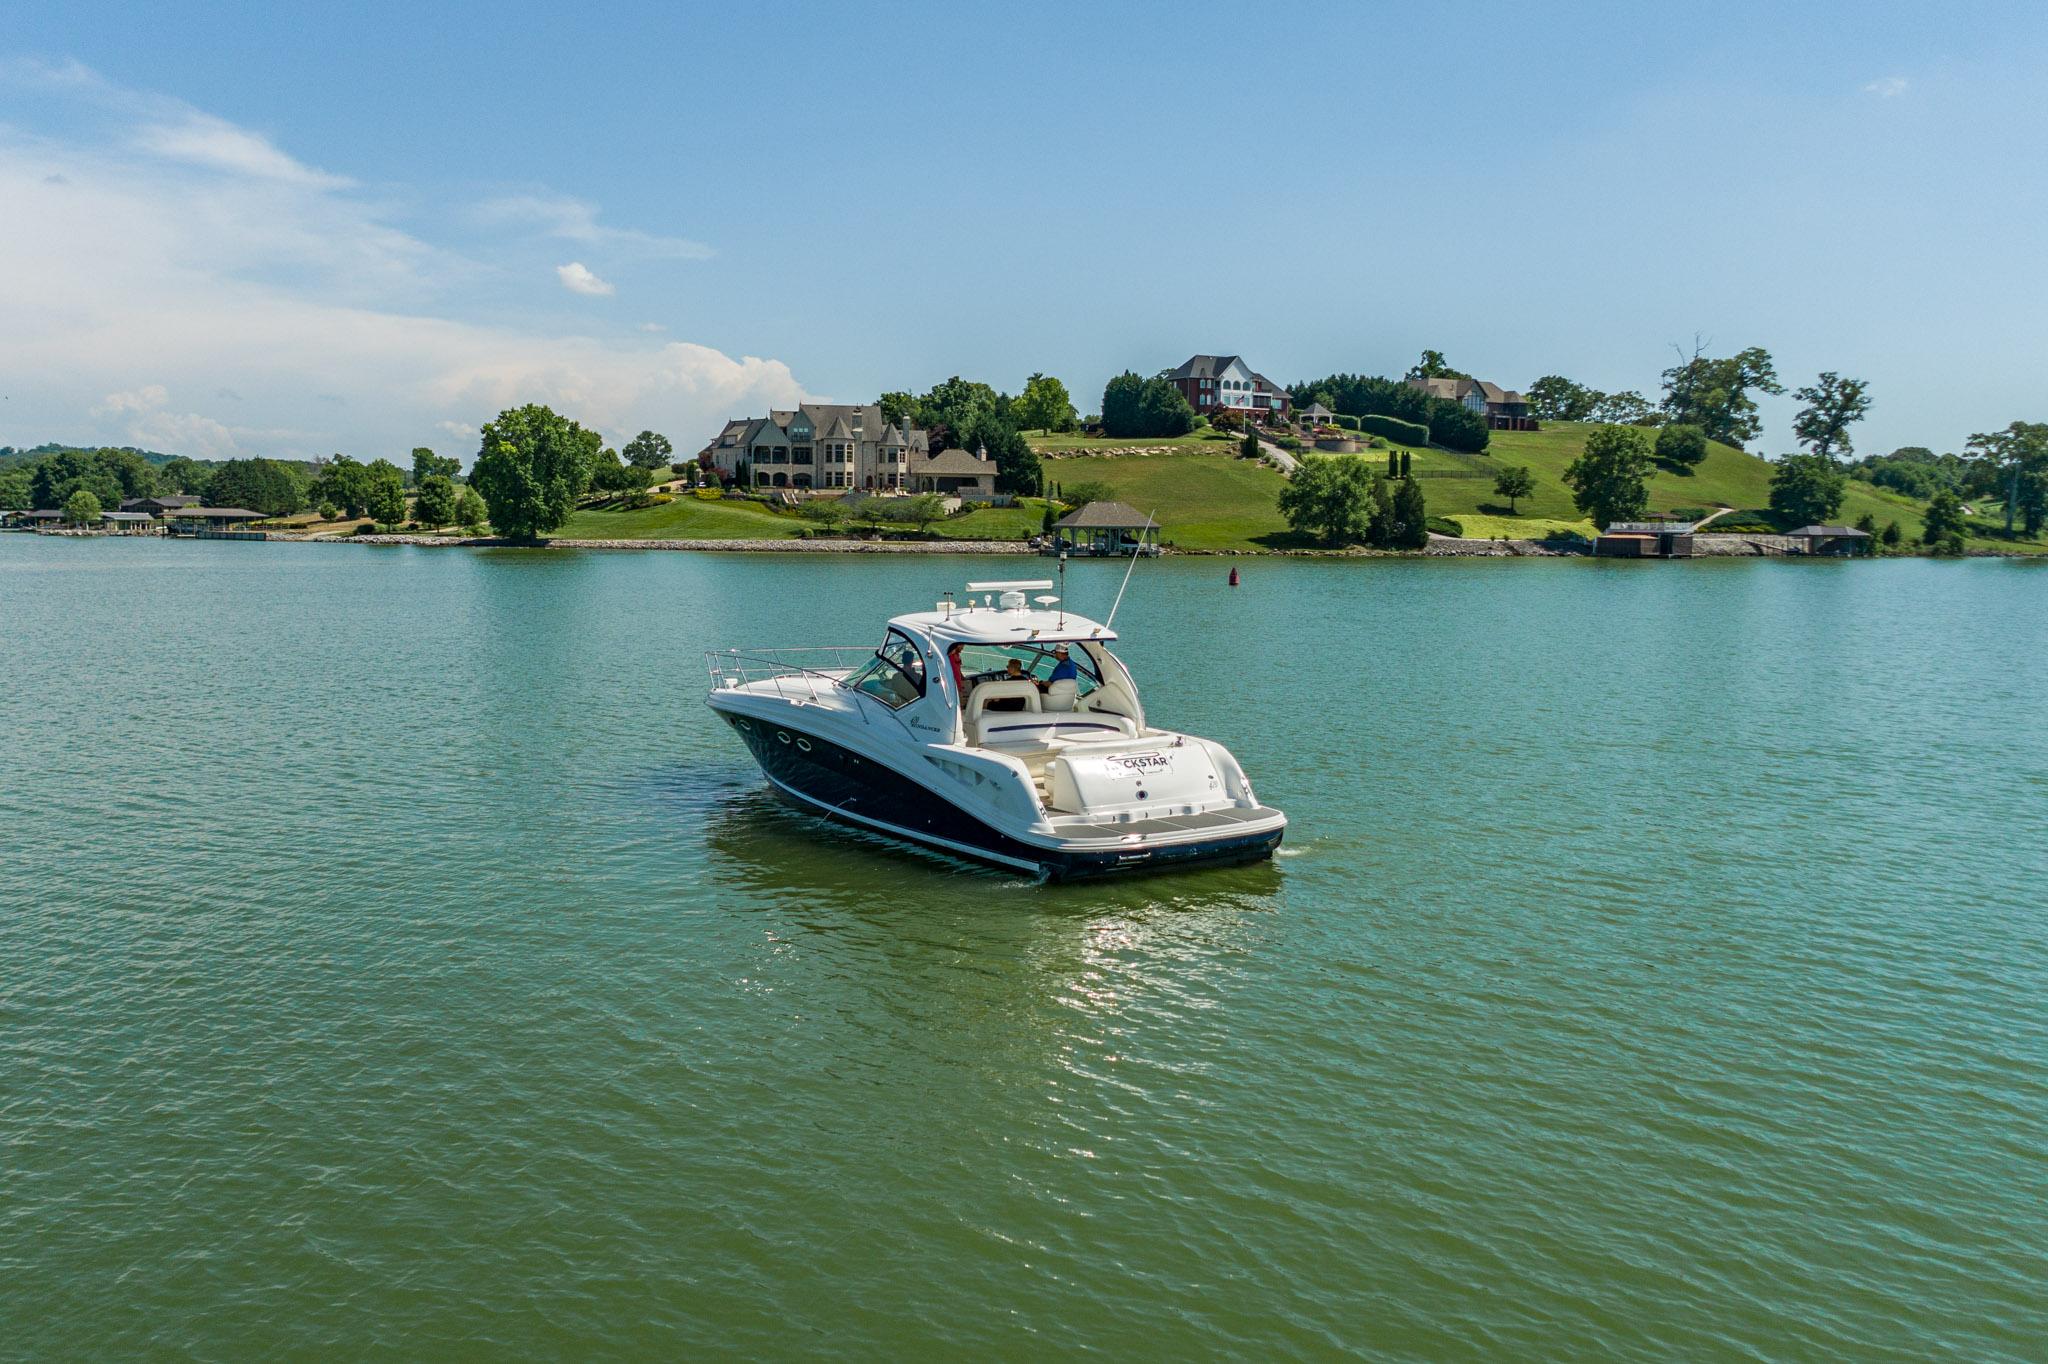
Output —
(981, 452)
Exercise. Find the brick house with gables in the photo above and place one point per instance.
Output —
(1211, 383)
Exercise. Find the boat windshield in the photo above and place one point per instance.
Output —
(991, 663)
(895, 676)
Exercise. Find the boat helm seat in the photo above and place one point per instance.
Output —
(1003, 689)
(1062, 694)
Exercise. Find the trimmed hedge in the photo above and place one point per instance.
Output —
(1444, 525)
(1348, 423)
(1394, 429)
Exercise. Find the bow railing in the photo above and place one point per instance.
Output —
(797, 674)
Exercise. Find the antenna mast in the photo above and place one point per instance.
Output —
(1127, 572)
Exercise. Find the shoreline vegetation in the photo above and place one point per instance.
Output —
(1361, 481)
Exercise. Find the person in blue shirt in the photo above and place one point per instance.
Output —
(1064, 669)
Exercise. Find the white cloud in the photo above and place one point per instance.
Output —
(576, 221)
(1888, 87)
(144, 265)
(135, 400)
(577, 279)
(204, 140)
(652, 327)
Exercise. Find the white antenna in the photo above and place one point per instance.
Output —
(1127, 572)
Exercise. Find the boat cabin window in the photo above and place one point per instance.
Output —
(895, 677)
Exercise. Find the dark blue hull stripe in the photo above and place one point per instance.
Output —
(837, 781)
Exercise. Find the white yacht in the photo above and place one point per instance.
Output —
(935, 737)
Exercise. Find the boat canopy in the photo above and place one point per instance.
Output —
(1000, 625)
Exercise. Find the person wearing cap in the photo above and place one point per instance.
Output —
(1063, 670)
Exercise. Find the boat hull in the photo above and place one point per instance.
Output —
(827, 778)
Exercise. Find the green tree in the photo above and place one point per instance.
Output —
(1410, 528)
(826, 513)
(1607, 479)
(1163, 410)
(1833, 405)
(470, 512)
(1944, 519)
(2008, 456)
(346, 483)
(109, 475)
(919, 511)
(15, 489)
(1808, 489)
(956, 404)
(1330, 498)
(898, 408)
(1557, 399)
(426, 464)
(1867, 524)
(1433, 366)
(1627, 408)
(530, 468)
(1892, 535)
(82, 508)
(1682, 446)
(1714, 394)
(1120, 412)
(649, 450)
(1514, 483)
(1248, 448)
(435, 504)
(1044, 405)
(270, 486)
(1081, 494)
(608, 474)
(386, 505)
(182, 475)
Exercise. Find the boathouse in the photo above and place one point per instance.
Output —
(1108, 528)
(1838, 541)
(1645, 540)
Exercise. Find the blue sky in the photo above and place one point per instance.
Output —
(245, 229)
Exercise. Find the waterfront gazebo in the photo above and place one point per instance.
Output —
(1107, 528)
(1840, 540)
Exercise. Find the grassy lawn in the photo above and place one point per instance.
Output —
(1066, 444)
(1727, 477)
(686, 518)
(1020, 522)
(1202, 500)
(1479, 526)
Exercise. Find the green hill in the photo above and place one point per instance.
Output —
(1214, 501)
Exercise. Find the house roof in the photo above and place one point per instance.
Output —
(225, 513)
(1204, 366)
(1648, 528)
(174, 500)
(126, 516)
(955, 463)
(1829, 532)
(1107, 516)
(1317, 410)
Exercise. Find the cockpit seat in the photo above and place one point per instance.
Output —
(1061, 695)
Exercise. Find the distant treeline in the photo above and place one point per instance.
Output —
(48, 477)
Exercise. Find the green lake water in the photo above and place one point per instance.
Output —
(397, 959)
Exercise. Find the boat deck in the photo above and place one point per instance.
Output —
(1208, 824)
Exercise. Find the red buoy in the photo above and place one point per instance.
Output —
(1233, 577)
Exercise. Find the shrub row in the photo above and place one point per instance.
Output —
(1393, 428)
